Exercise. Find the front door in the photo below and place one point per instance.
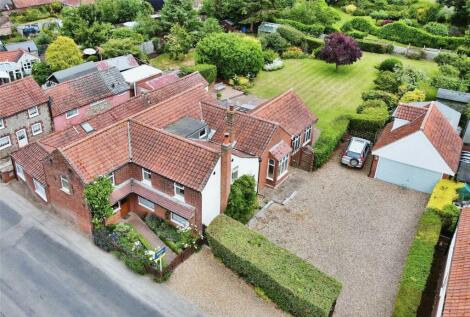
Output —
(22, 137)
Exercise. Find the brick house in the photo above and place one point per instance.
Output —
(24, 118)
(173, 152)
(76, 100)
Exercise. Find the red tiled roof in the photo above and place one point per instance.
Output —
(30, 158)
(280, 150)
(11, 56)
(21, 4)
(158, 82)
(20, 95)
(288, 110)
(409, 112)
(436, 128)
(77, 93)
(457, 301)
(252, 135)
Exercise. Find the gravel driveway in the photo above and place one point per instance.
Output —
(353, 227)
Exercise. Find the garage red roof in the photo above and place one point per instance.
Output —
(409, 112)
(19, 96)
(457, 301)
(30, 158)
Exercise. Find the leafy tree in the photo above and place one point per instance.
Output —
(119, 11)
(147, 26)
(462, 10)
(41, 71)
(211, 25)
(63, 53)
(311, 12)
(119, 47)
(413, 95)
(178, 42)
(97, 197)
(242, 201)
(340, 49)
(179, 12)
(231, 53)
(123, 33)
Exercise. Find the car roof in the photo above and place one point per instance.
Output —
(357, 145)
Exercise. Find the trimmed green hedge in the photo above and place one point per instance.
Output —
(292, 283)
(312, 29)
(359, 24)
(369, 121)
(208, 71)
(291, 34)
(330, 137)
(375, 47)
(390, 99)
(418, 266)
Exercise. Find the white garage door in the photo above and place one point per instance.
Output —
(406, 175)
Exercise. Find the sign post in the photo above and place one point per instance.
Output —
(158, 256)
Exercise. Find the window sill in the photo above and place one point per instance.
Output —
(146, 207)
(65, 191)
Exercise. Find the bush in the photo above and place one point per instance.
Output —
(357, 34)
(231, 53)
(463, 50)
(209, 72)
(312, 29)
(418, 266)
(390, 64)
(387, 81)
(269, 56)
(415, 54)
(243, 200)
(294, 53)
(275, 65)
(413, 96)
(390, 99)
(292, 283)
(443, 194)
(375, 47)
(274, 41)
(436, 28)
(369, 121)
(350, 9)
(359, 24)
(448, 58)
(291, 34)
(330, 137)
(102, 239)
(133, 263)
(442, 81)
(372, 103)
(310, 43)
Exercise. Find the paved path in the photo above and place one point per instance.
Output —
(49, 269)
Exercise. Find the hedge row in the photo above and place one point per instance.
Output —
(330, 137)
(298, 38)
(375, 47)
(293, 284)
(418, 266)
(312, 29)
(208, 71)
(370, 120)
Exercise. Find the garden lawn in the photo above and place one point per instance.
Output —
(328, 93)
(164, 62)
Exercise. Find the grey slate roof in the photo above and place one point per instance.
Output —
(28, 46)
(122, 63)
(452, 115)
(186, 127)
(114, 80)
(73, 72)
(453, 95)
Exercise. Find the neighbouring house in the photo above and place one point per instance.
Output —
(15, 65)
(454, 295)
(139, 74)
(417, 149)
(452, 115)
(27, 46)
(155, 83)
(455, 99)
(24, 118)
(70, 73)
(77, 100)
(122, 63)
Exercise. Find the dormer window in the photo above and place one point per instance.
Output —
(33, 112)
(202, 134)
(179, 191)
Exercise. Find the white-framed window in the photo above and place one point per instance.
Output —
(27, 65)
(307, 134)
(20, 171)
(5, 142)
(146, 176)
(202, 133)
(71, 113)
(179, 191)
(146, 203)
(33, 112)
(116, 207)
(64, 184)
(180, 221)
(2, 124)
(283, 165)
(271, 167)
(234, 173)
(40, 189)
(295, 143)
(110, 176)
(36, 128)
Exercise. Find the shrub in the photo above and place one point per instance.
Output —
(232, 54)
(375, 47)
(372, 103)
(463, 50)
(269, 56)
(312, 29)
(291, 34)
(243, 200)
(359, 24)
(448, 58)
(379, 14)
(442, 81)
(330, 136)
(413, 96)
(387, 81)
(275, 42)
(275, 65)
(350, 8)
(418, 266)
(293, 284)
(390, 64)
(209, 72)
(416, 54)
(102, 238)
(357, 34)
(97, 197)
(133, 263)
(370, 120)
(443, 194)
(310, 43)
(436, 28)
(390, 99)
(294, 53)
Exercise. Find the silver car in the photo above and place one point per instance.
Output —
(356, 152)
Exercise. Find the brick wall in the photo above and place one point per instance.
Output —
(22, 121)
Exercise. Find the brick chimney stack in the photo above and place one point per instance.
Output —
(230, 119)
(226, 171)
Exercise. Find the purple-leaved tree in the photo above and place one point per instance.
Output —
(340, 49)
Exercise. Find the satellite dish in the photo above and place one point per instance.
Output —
(89, 51)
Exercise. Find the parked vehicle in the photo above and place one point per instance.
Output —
(356, 152)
